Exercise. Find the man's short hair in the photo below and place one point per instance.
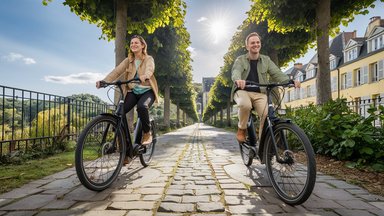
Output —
(251, 35)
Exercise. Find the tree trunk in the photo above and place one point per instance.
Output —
(178, 115)
(184, 119)
(120, 50)
(323, 79)
(229, 113)
(273, 54)
(221, 117)
(167, 106)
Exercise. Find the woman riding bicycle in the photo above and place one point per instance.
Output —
(257, 68)
(139, 65)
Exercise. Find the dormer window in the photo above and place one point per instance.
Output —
(310, 73)
(377, 43)
(332, 64)
(352, 54)
(300, 76)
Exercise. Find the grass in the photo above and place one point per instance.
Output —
(13, 176)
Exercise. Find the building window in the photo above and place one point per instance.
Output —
(380, 70)
(310, 73)
(297, 94)
(346, 80)
(374, 72)
(303, 93)
(334, 83)
(286, 97)
(361, 76)
(300, 76)
(309, 91)
(332, 64)
(352, 54)
(292, 95)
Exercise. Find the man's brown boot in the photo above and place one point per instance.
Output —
(240, 136)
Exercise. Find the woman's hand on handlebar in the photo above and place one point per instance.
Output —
(100, 84)
(240, 84)
(143, 78)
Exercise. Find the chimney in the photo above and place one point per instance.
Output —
(298, 66)
(374, 21)
(374, 18)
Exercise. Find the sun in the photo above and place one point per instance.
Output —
(217, 30)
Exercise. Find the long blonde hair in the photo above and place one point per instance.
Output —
(131, 55)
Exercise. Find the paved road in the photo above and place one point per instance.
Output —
(196, 170)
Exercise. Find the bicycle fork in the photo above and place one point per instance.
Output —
(287, 159)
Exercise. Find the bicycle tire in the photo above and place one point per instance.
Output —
(97, 162)
(295, 179)
(246, 154)
(146, 157)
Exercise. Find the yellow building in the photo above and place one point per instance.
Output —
(357, 70)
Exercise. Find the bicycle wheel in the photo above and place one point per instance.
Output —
(99, 153)
(146, 157)
(294, 176)
(246, 154)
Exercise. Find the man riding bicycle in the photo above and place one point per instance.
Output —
(258, 68)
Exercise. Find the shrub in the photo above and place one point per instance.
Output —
(335, 130)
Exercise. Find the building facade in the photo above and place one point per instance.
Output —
(356, 65)
(207, 84)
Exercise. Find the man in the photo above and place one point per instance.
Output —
(257, 68)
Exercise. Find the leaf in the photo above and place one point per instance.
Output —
(351, 164)
(366, 150)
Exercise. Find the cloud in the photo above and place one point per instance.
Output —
(80, 78)
(192, 51)
(16, 57)
(202, 19)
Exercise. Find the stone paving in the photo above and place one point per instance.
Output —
(196, 170)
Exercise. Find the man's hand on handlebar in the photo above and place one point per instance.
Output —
(240, 84)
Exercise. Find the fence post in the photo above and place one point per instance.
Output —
(68, 117)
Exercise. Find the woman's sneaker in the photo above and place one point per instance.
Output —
(147, 138)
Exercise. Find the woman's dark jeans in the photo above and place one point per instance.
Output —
(143, 102)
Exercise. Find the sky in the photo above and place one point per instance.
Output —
(49, 49)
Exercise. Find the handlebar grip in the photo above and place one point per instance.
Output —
(103, 84)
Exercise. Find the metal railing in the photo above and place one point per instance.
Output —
(361, 107)
(30, 119)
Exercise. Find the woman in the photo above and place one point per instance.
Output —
(140, 65)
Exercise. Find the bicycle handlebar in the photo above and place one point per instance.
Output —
(104, 84)
(249, 83)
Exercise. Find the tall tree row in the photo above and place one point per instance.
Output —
(121, 18)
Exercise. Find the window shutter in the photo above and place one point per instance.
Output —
(381, 69)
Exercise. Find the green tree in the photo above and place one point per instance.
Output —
(319, 17)
(119, 17)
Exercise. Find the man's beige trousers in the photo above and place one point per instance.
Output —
(245, 100)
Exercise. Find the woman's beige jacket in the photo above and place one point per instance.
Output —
(126, 70)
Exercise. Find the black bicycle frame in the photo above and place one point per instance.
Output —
(270, 120)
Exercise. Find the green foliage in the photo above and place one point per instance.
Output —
(143, 15)
(335, 130)
(87, 98)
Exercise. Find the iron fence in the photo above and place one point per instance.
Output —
(361, 106)
(30, 119)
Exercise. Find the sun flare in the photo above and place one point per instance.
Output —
(217, 30)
